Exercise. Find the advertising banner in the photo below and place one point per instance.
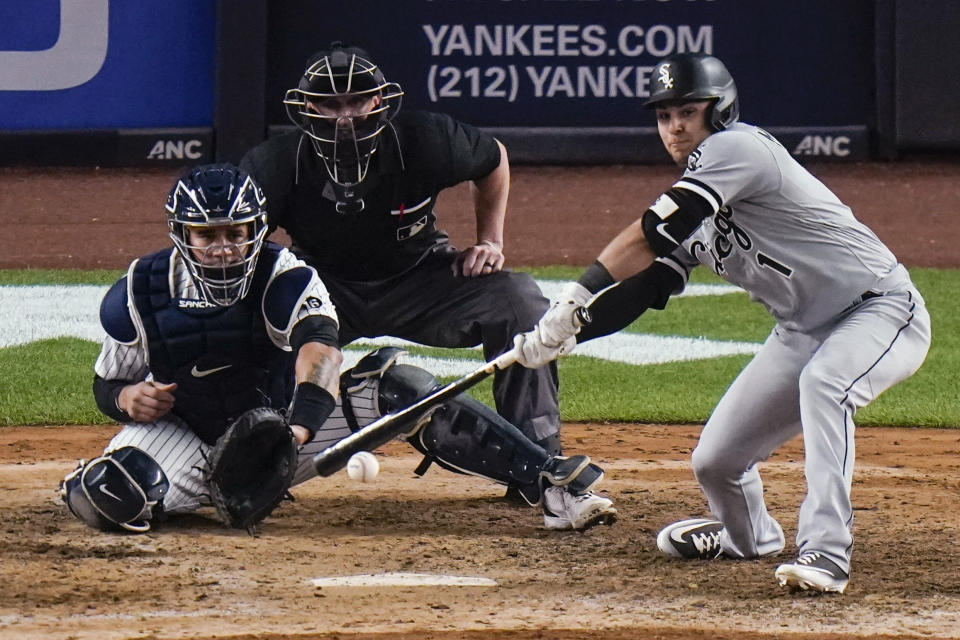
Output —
(587, 63)
(106, 64)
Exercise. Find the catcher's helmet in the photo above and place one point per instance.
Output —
(696, 76)
(212, 197)
(345, 141)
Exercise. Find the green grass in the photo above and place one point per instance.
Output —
(58, 276)
(48, 382)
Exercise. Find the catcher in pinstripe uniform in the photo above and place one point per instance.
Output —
(224, 329)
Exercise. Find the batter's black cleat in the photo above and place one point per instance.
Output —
(812, 571)
(696, 539)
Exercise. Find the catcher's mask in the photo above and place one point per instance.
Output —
(218, 222)
(685, 77)
(343, 103)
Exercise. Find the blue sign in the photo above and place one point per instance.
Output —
(106, 64)
(587, 63)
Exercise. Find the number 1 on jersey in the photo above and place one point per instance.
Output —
(766, 261)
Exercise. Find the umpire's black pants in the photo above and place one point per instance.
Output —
(427, 304)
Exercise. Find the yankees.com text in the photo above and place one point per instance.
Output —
(566, 40)
(481, 78)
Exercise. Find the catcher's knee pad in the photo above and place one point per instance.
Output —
(368, 391)
(121, 490)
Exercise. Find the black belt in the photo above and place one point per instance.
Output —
(866, 295)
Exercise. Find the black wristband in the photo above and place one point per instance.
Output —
(596, 278)
(312, 405)
(106, 394)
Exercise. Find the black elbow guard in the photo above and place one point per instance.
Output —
(672, 218)
(658, 234)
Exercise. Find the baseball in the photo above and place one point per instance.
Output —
(363, 466)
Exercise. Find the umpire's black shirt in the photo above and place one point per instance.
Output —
(428, 153)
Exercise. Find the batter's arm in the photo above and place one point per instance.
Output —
(628, 253)
(616, 307)
(662, 228)
(490, 195)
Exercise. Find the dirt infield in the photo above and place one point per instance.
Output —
(192, 578)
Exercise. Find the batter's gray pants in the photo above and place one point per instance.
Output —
(809, 383)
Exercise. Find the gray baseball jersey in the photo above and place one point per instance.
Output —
(778, 232)
(850, 324)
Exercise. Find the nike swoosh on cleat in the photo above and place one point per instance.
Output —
(197, 373)
(103, 489)
(677, 534)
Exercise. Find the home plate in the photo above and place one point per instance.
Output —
(403, 580)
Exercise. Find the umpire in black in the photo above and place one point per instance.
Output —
(355, 187)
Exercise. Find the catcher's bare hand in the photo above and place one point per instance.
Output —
(479, 260)
(147, 401)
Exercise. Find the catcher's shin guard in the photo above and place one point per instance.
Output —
(367, 393)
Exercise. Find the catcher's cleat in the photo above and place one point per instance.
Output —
(812, 571)
(565, 510)
(696, 539)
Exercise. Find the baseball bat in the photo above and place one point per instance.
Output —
(389, 426)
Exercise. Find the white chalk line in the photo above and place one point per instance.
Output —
(39, 312)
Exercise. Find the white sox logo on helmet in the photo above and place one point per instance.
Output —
(665, 78)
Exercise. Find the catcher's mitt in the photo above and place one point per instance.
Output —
(251, 467)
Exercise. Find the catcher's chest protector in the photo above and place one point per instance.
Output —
(221, 358)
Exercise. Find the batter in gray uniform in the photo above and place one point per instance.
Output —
(850, 323)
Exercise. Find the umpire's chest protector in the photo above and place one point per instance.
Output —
(220, 357)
